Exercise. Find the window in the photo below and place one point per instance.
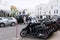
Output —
(0, 18)
(55, 11)
(51, 7)
(41, 17)
(10, 18)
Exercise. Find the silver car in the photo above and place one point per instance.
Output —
(11, 21)
(3, 22)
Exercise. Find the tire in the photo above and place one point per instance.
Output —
(43, 35)
(50, 32)
(2, 25)
(13, 24)
(23, 33)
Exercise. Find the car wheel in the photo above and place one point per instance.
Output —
(2, 25)
(13, 24)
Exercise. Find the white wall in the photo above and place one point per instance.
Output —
(56, 5)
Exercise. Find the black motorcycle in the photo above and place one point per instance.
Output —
(52, 27)
(40, 30)
(35, 29)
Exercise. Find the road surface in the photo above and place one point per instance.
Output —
(9, 33)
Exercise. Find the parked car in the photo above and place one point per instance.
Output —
(3, 22)
(12, 21)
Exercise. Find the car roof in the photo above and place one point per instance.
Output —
(1, 17)
(56, 16)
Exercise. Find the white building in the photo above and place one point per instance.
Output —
(54, 7)
(42, 10)
(50, 9)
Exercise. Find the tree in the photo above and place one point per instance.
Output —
(14, 11)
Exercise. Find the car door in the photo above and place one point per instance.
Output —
(10, 20)
(1, 20)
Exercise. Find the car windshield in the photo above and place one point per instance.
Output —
(10, 18)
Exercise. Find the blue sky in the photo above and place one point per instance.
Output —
(24, 4)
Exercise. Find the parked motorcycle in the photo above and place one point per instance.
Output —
(52, 27)
(40, 30)
(33, 29)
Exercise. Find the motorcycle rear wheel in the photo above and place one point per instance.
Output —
(44, 35)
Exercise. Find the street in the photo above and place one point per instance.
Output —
(9, 33)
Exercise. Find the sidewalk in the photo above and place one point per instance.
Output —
(55, 36)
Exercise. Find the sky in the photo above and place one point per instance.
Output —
(21, 4)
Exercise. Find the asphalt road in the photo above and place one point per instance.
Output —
(9, 33)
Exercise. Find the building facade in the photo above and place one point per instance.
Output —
(4, 13)
(48, 10)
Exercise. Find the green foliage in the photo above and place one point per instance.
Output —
(13, 12)
(28, 14)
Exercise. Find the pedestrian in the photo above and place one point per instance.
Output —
(24, 18)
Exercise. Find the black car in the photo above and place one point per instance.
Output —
(20, 18)
(57, 19)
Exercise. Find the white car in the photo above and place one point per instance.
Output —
(11, 21)
(3, 22)
(7, 21)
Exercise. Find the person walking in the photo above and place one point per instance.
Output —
(24, 18)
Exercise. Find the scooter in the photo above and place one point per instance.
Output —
(40, 30)
(35, 29)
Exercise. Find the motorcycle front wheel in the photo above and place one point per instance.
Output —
(23, 33)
